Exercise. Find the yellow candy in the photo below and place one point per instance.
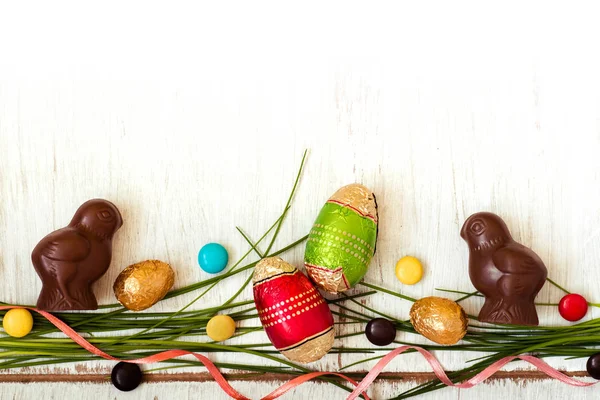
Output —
(409, 270)
(17, 322)
(220, 327)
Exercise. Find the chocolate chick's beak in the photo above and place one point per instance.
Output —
(464, 229)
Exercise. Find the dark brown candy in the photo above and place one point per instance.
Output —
(593, 366)
(70, 259)
(126, 376)
(380, 331)
(507, 273)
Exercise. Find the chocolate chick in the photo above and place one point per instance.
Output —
(70, 259)
(507, 273)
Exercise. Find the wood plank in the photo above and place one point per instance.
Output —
(416, 377)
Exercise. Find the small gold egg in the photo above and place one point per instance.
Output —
(440, 320)
(142, 285)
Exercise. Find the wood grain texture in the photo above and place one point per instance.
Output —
(193, 120)
(193, 390)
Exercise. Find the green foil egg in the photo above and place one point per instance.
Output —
(342, 240)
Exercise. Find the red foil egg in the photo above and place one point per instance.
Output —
(573, 307)
(293, 313)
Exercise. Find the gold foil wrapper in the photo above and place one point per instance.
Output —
(141, 285)
(440, 320)
(359, 197)
(312, 350)
(270, 266)
(330, 281)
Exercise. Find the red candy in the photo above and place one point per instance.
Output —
(573, 307)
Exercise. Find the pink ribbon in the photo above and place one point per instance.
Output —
(305, 378)
(360, 387)
(438, 370)
(163, 356)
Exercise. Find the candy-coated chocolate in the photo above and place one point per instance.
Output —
(342, 240)
(409, 270)
(593, 366)
(295, 316)
(70, 259)
(507, 273)
(380, 331)
(213, 258)
(126, 376)
(573, 307)
(17, 322)
(220, 327)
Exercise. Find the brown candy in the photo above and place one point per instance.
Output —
(507, 273)
(70, 259)
(380, 331)
(440, 320)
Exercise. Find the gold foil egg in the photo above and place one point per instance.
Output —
(440, 320)
(141, 285)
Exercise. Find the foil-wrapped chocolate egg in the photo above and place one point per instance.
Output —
(142, 285)
(342, 240)
(295, 316)
(440, 320)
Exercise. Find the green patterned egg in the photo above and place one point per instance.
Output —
(342, 241)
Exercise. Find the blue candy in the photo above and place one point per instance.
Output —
(213, 258)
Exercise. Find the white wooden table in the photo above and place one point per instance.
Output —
(193, 120)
